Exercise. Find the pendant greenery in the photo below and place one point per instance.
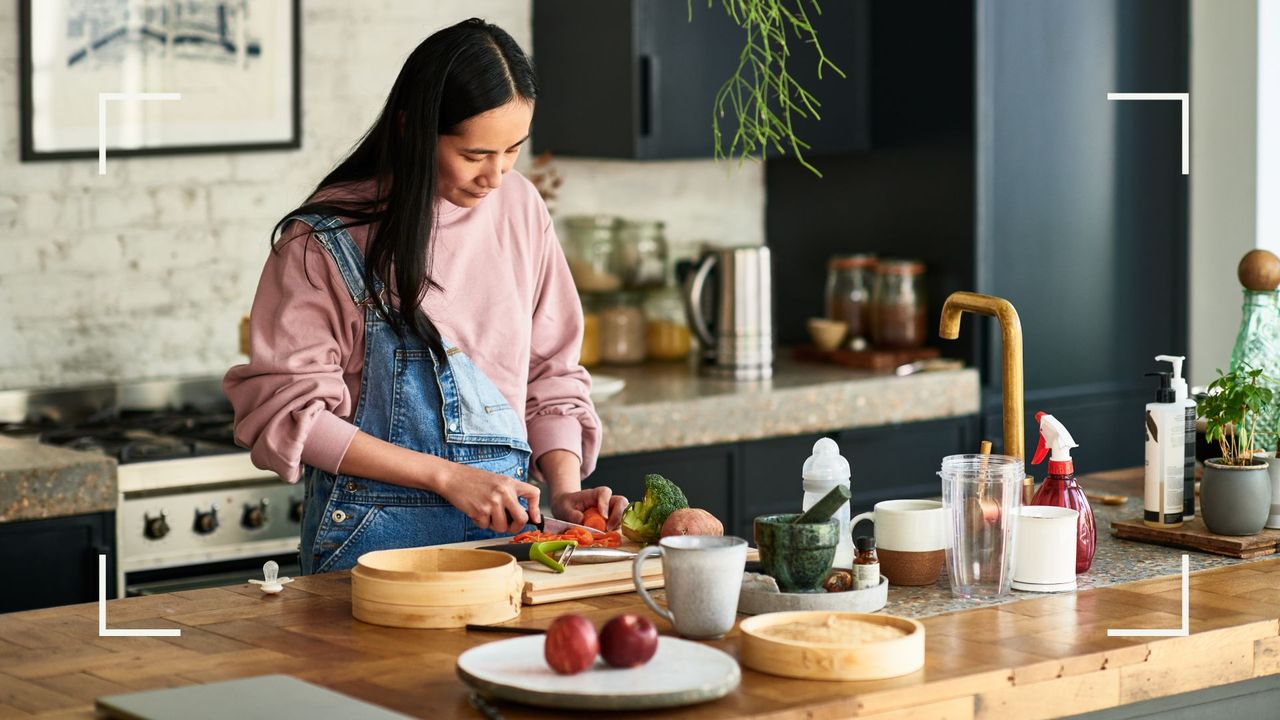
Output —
(763, 94)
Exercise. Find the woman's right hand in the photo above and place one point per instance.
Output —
(492, 501)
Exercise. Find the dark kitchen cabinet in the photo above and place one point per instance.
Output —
(738, 481)
(638, 78)
(705, 474)
(998, 161)
(55, 562)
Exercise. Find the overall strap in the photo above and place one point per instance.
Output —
(328, 231)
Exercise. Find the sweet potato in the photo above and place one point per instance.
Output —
(691, 521)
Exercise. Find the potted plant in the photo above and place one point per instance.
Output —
(1235, 490)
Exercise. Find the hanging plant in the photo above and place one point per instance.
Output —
(763, 94)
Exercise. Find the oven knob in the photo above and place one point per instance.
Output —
(154, 527)
(207, 522)
(295, 510)
(255, 516)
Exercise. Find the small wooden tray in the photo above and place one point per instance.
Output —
(822, 661)
(1195, 536)
(865, 359)
(435, 588)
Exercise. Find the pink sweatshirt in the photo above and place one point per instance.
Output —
(508, 301)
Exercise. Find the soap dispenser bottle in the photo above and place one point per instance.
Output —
(1164, 469)
(825, 469)
(1060, 488)
(1180, 395)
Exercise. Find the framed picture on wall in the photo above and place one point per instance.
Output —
(180, 76)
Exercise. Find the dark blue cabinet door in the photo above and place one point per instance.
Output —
(55, 562)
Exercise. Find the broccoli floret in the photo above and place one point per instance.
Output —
(642, 521)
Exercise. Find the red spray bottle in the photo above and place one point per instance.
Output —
(1060, 488)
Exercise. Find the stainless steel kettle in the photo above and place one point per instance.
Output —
(738, 344)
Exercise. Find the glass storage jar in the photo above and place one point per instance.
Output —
(590, 354)
(592, 253)
(898, 305)
(668, 336)
(642, 253)
(622, 329)
(848, 296)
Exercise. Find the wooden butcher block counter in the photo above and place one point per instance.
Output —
(1042, 657)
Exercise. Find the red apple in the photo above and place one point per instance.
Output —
(628, 641)
(571, 644)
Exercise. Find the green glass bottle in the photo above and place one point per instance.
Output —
(1258, 344)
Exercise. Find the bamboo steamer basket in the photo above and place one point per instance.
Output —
(435, 587)
(875, 660)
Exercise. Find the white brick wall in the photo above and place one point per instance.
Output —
(145, 273)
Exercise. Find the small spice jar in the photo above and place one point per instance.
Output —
(622, 329)
(848, 296)
(642, 253)
(866, 564)
(591, 248)
(590, 354)
(898, 305)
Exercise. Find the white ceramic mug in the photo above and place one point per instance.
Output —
(702, 576)
(911, 539)
(1044, 549)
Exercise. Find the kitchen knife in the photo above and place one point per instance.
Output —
(553, 526)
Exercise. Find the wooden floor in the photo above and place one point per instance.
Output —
(1037, 658)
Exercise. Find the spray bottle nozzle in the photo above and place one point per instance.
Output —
(1054, 436)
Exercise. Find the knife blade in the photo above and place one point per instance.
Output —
(559, 527)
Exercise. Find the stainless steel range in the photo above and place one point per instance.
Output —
(193, 511)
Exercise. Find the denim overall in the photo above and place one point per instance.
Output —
(408, 397)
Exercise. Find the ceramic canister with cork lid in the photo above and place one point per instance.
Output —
(823, 470)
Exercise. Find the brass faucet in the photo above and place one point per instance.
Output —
(1011, 344)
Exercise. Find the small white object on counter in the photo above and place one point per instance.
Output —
(271, 584)
(604, 387)
(822, 471)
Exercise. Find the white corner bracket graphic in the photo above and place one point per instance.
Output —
(1185, 98)
(102, 612)
(1183, 631)
(103, 97)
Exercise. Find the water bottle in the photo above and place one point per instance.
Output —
(825, 469)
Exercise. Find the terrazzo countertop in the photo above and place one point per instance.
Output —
(38, 481)
(668, 406)
(1116, 561)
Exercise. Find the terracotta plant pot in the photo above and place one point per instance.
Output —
(1235, 499)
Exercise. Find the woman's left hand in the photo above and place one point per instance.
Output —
(570, 506)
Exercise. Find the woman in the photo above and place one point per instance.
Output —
(415, 334)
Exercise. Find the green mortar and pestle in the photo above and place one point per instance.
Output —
(797, 549)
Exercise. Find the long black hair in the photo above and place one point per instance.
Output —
(455, 74)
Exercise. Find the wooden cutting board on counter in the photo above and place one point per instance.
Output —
(1194, 535)
(582, 581)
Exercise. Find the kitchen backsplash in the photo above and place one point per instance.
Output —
(145, 272)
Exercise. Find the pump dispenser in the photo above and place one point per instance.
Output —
(1060, 488)
(1188, 434)
(1165, 467)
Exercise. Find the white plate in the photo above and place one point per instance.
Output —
(680, 673)
(605, 386)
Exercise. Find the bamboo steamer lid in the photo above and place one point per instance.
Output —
(872, 660)
(1259, 270)
(435, 587)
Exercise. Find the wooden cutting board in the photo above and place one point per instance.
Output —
(586, 580)
(1195, 536)
(865, 359)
